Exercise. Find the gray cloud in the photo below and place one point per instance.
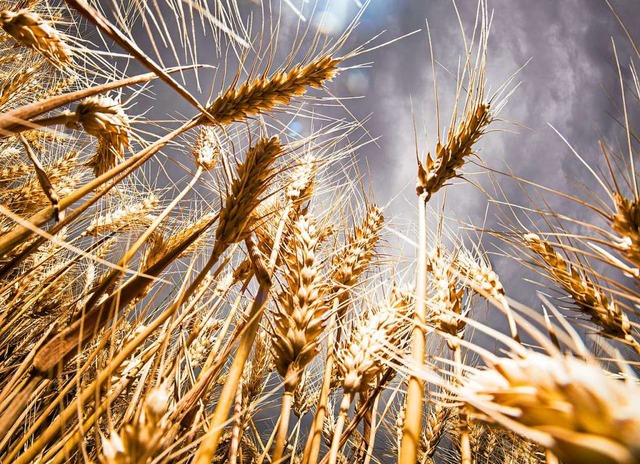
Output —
(568, 83)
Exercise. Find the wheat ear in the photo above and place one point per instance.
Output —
(484, 281)
(603, 312)
(136, 442)
(445, 302)
(451, 156)
(361, 360)
(261, 95)
(574, 408)
(299, 320)
(236, 217)
(28, 28)
(626, 222)
(348, 265)
(206, 149)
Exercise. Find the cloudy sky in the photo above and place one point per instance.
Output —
(570, 82)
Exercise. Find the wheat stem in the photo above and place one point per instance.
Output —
(415, 387)
(102, 23)
(32, 110)
(60, 119)
(345, 404)
(283, 428)
(209, 444)
(373, 431)
(465, 443)
(312, 448)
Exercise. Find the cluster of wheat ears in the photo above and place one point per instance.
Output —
(191, 321)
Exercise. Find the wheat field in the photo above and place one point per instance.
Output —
(188, 276)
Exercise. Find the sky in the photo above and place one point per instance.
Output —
(565, 85)
(566, 80)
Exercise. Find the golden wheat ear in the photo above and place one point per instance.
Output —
(451, 156)
(262, 95)
(31, 30)
(236, 217)
(300, 318)
(626, 222)
(590, 300)
(574, 408)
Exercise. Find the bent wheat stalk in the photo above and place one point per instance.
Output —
(10, 119)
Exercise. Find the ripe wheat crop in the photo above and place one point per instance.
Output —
(210, 283)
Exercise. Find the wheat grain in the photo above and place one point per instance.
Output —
(437, 421)
(300, 317)
(301, 183)
(136, 442)
(482, 279)
(377, 337)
